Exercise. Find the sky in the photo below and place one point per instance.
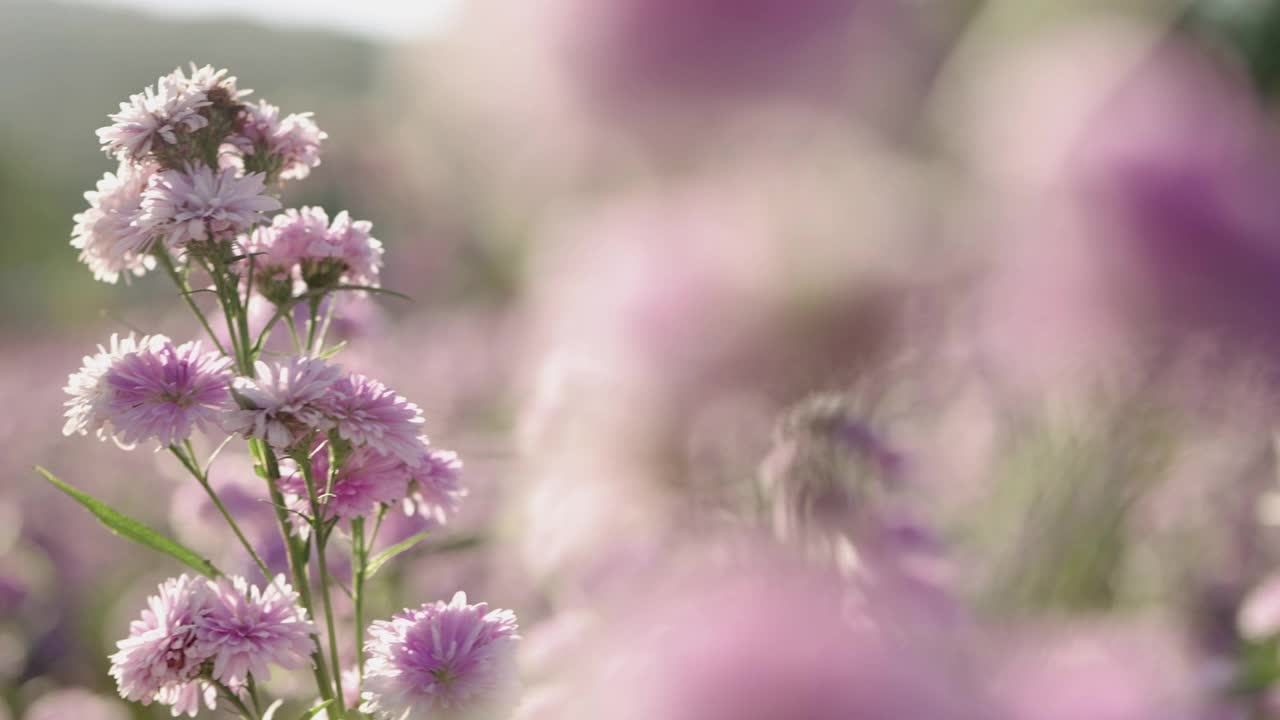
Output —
(383, 19)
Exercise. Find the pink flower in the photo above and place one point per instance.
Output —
(303, 246)
(166, 392)
(161, 658)
(368, 413)
(248, 628)
(88, 407)
(437, 492)
(154, 116)
(286, 401)
(442, 662)
(210, 82)
(359, 251)
(108, 236)
(292, 141)
(202, 204)
(365, 481)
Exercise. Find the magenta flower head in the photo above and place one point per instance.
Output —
(285, 402)
(248, 628)
(108, 235)
(88, 406)
(365, 481)
(437, 490)
(203, 204)
(368, 413)
(162, 657)
(166, 392)
(442, 662)
(290, 146)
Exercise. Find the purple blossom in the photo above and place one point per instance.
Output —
(202, 204)
(90, 394)
(360, 252)
(108, 236)
(166, 392)
(365, 481)
(292, 236)
(286, 401)
(437, 491)
(161, 658)
(154, 116)
(442, 662)
(302, 245)
(248, 628)
(368, 413)
(293, 141)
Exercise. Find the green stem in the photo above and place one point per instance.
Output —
(188, 460)
(297, 560)
(359, 561)
(321, 539)
(185, 289)
(227, 693)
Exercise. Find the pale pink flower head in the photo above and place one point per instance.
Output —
(162, 654)
(203, 204)
(247, 629)
(442, 662)
(292, 236)
(286, 401)
(165, 392)
(154, 117)
(216, 84)
(90, 394)
(359, 251)
(108, 235)
(365, 481)
(368, 413)
(289, 145)
(437, 490)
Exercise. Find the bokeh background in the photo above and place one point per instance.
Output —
(977, 301)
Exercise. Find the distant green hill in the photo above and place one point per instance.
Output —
(63, 68)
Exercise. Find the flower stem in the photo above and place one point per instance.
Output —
(321, 534)
(185, 289)
(188, 460)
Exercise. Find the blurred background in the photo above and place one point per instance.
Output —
(971, 304)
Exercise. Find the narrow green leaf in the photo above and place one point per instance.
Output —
(315, 710)
(381, 558)
(333, 350)
(130, 529)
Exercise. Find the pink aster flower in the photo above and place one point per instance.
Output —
(108, 236)
(368, 413)
(88, 407)
(248, 628)
(293, 141)
(166, 392)
(286, 401)
(154, 116)
(292, 236)
(210, 82)
(437, 491)
(359, 251)
(442, 662)
(161, 658)
(365, 481)
(203, 204)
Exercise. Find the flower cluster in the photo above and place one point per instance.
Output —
(196, 632)
(192, 194)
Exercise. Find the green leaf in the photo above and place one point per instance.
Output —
(313, 711)
(130, 529)
(332, 351)
(381, 558)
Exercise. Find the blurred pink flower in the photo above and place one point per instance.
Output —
(366, 480)
(108, 235)
(90, 394)
(292, 141)
(437, 492)
(442, 662)
(75, 703)
(248, 628)
(201, 204)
